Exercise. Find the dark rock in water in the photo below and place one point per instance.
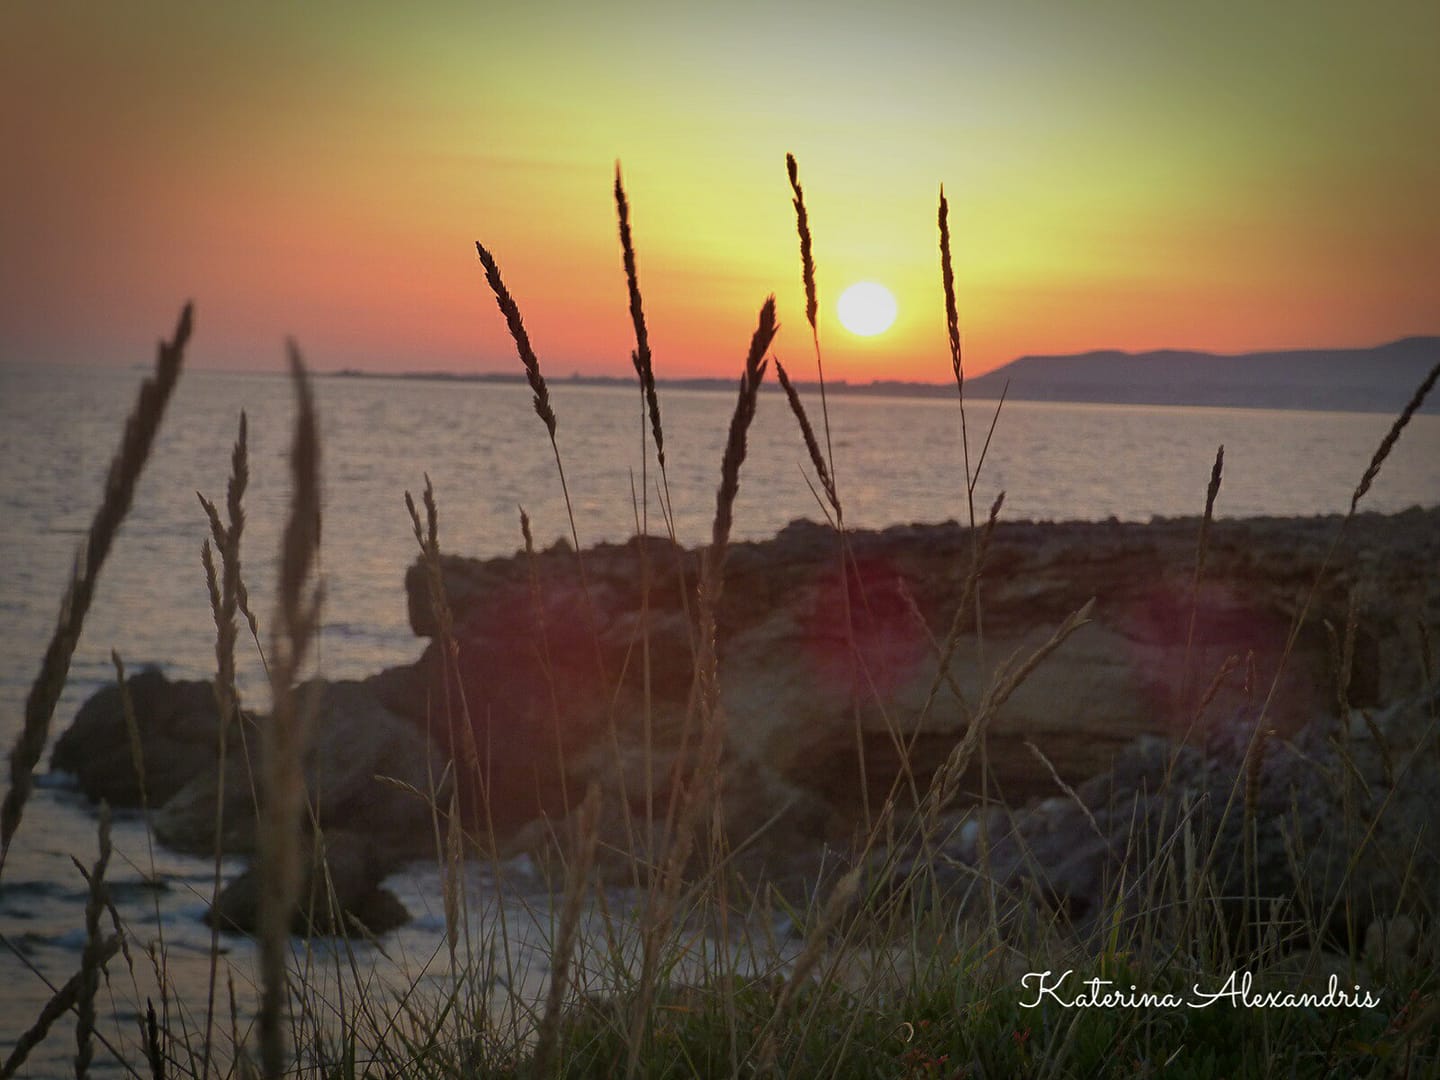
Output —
(365, 768)
(340, 892)
(179, 733)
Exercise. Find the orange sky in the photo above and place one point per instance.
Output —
(1130, 175)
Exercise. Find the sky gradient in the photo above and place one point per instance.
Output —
(1129, 175)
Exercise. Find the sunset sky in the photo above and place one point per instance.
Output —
(1221, 176)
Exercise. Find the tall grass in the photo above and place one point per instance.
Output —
(297, 620)
(226, 596)
(125, 469)
(902, 958)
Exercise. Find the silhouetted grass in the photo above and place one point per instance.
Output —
(125, 469)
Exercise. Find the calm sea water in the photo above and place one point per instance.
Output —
(897, 460)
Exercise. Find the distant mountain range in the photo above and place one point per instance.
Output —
(1379, 379)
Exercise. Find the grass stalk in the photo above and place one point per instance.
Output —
(650, 405)
(812, 446)
(561, 955)
(61, 1002)
(827, 473)
(90, 959)
(698, 794)
(1297, 623)
(125, 469)
(225, 600)
(812, 303)
(541, 401)
(1202, 547)
(641, 358)
(297, 622)
(952, 334)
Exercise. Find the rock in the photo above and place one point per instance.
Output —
(369, 770)
(340, 892)
(179, 729)
(772, 828)
(365, 768)
(530, 687)
(187, 821)
(1343, 827)
(828, 702)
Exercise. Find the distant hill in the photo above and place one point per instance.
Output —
(1379, 379)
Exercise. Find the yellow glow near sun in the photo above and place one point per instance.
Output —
(867, 308)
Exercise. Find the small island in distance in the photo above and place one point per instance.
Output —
(1378, 379)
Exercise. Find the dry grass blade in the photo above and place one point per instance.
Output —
(989, 434)
(428, 537)
(226, 598)
(301, 544)
(734, 455)
(1014, 676)
(712, 576)
(807, 257)
(1202, 547)
(952, 331)
(132, 728)
(696, 796)
(946, 779)
(542, 408)
(807, 273)
(812, 446)
(239, 478)
(1069, 791)
(1255, 770)
(1392, 436)
(462, 740)
(814, 951)
(454, 872)
(1298, 621)
(154, 1055)
(125, 469)
(297, 621)
(90, 958)
(644, 366)
(967, 595)
(1227, 666)
(1211, 490)
(561, 956)
(61, 1003)
(952, 313)
(511, 311)
(835, 907)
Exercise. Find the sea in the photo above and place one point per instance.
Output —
(897, 460)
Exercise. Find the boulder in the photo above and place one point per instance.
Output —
(365, 768)
(1341, 817)
(179, 729)
(340, 891)
(772, 828)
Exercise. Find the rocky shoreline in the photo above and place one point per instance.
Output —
(560, 675)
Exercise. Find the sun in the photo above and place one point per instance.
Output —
(867, 308)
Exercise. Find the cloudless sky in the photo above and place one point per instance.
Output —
(1127, 174)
